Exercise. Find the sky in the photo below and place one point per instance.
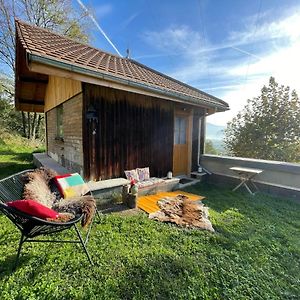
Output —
(227, 48)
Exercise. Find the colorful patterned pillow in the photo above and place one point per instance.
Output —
(57, 185)
(143, 173)
(132, 174)
(33, 208)
(71, 185)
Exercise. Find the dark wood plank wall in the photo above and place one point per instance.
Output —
(132, 131)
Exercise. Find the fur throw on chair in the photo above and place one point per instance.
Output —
(78, 205)
(37, 188)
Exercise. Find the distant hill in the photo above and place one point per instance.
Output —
(214, 132)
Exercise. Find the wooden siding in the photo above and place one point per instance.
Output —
(59, 90)
(132, 131)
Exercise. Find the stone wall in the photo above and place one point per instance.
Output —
(67, 151)
(278, 178)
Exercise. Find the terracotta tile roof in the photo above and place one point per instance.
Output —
(50, 45)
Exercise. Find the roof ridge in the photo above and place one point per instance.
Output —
(18, 21)
(20, 33)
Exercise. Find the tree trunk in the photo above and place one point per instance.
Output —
(24, 123)
(31, 123)
(28, 125)
(38, 126)
(33, 126)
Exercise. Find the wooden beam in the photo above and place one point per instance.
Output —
(31, 101)
(33, 80)
(29, 107)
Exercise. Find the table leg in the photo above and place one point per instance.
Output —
(254, 185)
(248, 189)
(240, 184)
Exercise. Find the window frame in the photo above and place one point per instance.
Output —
(180, 130)
(59, 122)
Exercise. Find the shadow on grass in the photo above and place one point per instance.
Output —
(160, 276)
(14, 162)
(7, 169)
(240, 216)
(7, 266)
(218, 199)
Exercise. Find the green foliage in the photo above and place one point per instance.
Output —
(209, 148)
(9, 118)
(254, 254)
(268, 127)
(57, 15)
(16, 153)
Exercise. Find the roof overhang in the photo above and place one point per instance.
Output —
(36, 59)
(30, 87)
(51, 66)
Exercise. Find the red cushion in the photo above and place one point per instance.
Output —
(33, 208)
(63, 176)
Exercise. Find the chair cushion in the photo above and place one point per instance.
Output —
(151, 182)
(132, 175)
(143, 173)
(71, 185)
(33, 208)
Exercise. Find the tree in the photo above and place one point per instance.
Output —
(209, 148)
(10, 119)
(56, 15)
(268, 126)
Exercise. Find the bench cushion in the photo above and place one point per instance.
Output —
(151, 182)
(143, 173)
(132, 175)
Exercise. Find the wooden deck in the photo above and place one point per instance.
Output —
(149, 203)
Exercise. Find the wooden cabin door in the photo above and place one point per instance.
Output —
(181, 149)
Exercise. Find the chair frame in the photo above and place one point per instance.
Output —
(11, 188)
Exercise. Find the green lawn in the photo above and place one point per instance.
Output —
(15, 153)
(254, 254)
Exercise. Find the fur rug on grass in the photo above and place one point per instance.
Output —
(183, 212)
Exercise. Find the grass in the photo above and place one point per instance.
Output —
(254, 254)
(16, 153)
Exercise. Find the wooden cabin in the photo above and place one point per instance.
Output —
(106, 114)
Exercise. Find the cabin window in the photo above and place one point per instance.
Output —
(180, 130)
(59, 122)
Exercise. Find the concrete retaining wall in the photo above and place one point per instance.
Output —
(280, 178)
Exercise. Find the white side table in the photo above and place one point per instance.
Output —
(246, 175)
